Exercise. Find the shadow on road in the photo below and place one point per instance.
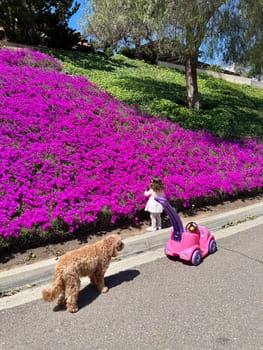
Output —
(88, 294)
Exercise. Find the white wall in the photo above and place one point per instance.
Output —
(231, 78)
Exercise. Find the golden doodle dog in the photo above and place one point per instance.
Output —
(91, 260)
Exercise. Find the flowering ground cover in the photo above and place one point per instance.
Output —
(70, 151)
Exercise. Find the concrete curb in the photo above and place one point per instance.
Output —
(226, 222)
(41, 272)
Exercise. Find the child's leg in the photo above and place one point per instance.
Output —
(153, 221)
(158, 221)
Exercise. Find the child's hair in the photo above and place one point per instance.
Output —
(156, 184)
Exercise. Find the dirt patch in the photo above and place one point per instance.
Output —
(9, 260)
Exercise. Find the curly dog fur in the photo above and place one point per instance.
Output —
(91, 260)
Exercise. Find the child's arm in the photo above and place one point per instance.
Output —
(148, 192)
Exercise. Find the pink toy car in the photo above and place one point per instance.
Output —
(191, 243)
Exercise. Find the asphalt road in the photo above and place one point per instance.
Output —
(155, 303)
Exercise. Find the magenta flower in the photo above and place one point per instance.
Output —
(70, 151)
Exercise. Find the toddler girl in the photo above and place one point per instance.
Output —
(154, 208)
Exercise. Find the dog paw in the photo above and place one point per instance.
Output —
(104, 289)
(72, 309)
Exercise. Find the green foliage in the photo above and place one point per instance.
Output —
(148, 53)
(129, 21)
(37, 21)
(240, 32)
(177, 28)
(62, 37)
(29, 239)
(228, 110)
(128, 52)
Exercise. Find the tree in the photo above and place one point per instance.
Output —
(241, 32)
(179, 26)
(118, 22)
(188, 25)
(32, 21)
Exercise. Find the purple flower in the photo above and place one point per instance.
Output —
(69, 151)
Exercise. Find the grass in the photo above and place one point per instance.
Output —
(228, 110)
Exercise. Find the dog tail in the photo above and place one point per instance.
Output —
(50, 294)
(47, 294)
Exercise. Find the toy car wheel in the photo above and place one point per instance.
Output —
(212, 246)
(196, 257)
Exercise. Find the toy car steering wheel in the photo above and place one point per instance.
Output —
(192, 227)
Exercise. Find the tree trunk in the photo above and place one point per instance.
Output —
(191, 83)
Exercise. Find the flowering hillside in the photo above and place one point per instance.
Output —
(70, 151)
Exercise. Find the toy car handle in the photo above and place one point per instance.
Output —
(174, 217)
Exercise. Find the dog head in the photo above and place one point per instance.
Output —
(115, 244)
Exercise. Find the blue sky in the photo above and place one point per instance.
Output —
(73, 22)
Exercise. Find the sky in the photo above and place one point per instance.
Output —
(75, 19)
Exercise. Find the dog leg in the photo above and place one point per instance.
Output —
(92, 281)
(61, 298)
(72, 291)
(98, 281)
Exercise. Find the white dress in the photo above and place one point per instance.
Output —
(152, 205)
